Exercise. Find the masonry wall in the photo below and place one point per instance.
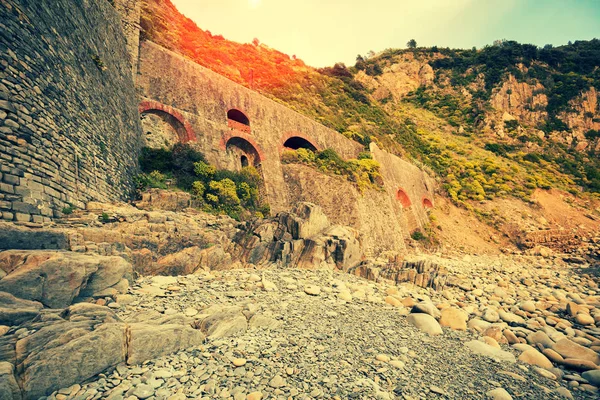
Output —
(202, 98)
(372, 213)
(69, 127)
(130, 12)
(399, 174)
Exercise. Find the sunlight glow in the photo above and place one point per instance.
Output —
(254, 3)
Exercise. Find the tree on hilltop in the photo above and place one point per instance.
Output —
(360, 63)
(411, 44)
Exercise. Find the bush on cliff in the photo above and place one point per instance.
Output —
(234, 193)
(364, 171)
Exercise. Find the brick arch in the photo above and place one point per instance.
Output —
(241, 135)
(290, 135)
(233, 114)
(403, 198)
(150, 105)
(426, 202)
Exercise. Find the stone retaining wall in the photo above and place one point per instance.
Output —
(69, 126)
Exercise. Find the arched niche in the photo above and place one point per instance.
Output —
(238, 120)
(298, 142)
(403, 198)
(161, 129)
(163, 125)
(427, 204)
(241, 153)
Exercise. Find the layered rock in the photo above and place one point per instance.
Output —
(56, 278)
(69, 346)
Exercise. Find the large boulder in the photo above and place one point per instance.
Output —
(223, 321)
(454, 318)
(56, 278)
(86, 341)
(305, 221)
(72, 345)
(15, 311)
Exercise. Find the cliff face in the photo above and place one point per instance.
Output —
(405, 74)
(524, 101)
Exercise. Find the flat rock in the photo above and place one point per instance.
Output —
(534, 357)
(454, 318)
(312, 290)
(478, 347)
(570, 349)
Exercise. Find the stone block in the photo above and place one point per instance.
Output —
(10, 179)
(26, 208)
(7, 106)
(6, 188)
(22, 217)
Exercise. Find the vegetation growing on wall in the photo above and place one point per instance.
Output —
(364, 171)
(236, 194)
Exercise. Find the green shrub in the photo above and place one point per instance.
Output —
(154, 179)
(204, 171)
(68, 210)
(364, 172)
(198, 189)
(418, 235)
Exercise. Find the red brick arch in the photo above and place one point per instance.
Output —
(290, 135)
(403, 198)
(150, 105)
(427, 203)
(242, 135)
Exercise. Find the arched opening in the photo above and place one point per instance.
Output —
(237, 120)
(403, 198)
(161, 129)
(238, 116)
(241, 153)
(427, 203)
(297, 142)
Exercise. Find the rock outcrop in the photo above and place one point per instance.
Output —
(302, 238)
(65, 347)
(56, 278)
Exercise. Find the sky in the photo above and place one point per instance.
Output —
(323, 32)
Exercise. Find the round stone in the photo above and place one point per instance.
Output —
(584, 319)
(312, 290)
(239, 362)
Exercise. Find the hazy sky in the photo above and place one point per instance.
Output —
(322, 32)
